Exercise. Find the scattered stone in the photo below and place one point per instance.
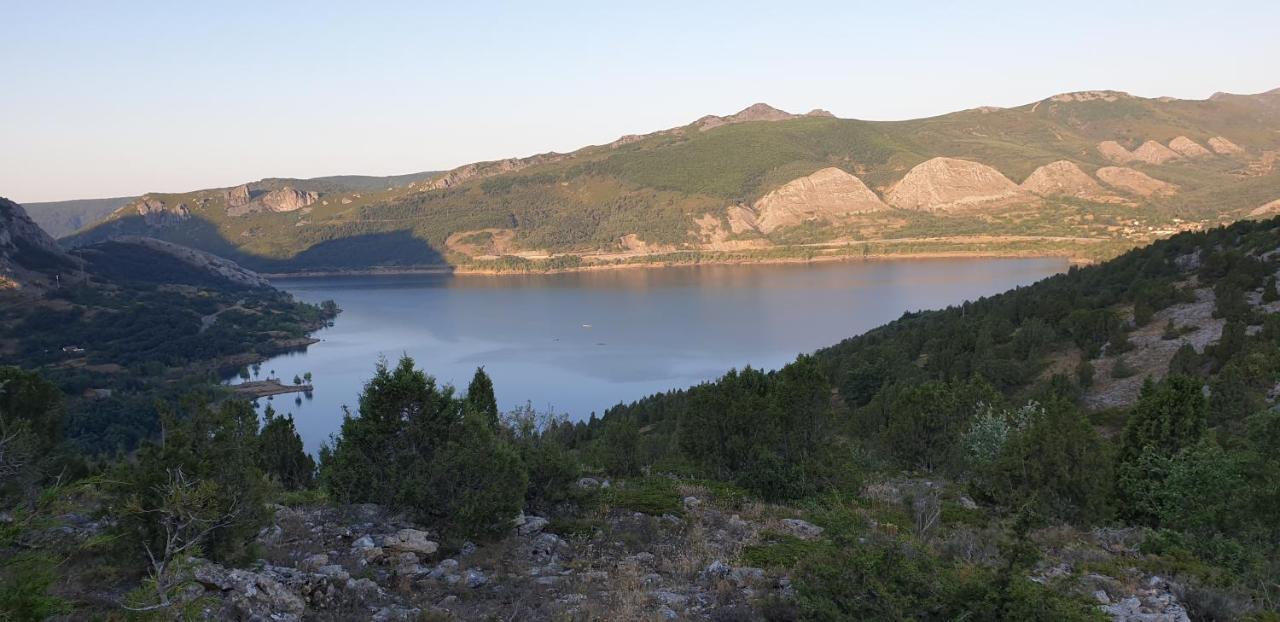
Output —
(716, 569)
(692, 503)
(801, 529)
(475, 579)
(363, 543)
(588, 483)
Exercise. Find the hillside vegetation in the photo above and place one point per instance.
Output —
(1110, 182)
(952, 464)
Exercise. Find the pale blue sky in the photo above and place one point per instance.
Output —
(120, 98)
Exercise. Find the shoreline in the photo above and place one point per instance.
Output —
(1072, 260)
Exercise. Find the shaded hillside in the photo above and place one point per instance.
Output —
(1147, 168)
(118, 323)
(62, 218)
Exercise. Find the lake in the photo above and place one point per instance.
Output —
(578, 343)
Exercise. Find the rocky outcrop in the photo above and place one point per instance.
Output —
(1153, 152)
(287, 199)
(1134, 182)
(1063, 178)
(827, 195)
(1090, 96)
(1188, 148)
(158, 213)
(217, 266)
(1266, 210)
(239, 196)
(1115, 152)
(1222, 146)
(949, 183)
(481, 170)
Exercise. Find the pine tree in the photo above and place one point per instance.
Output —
(480, 397)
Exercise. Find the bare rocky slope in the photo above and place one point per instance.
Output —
(950, 183)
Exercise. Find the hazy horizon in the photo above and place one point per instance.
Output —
(106, 101)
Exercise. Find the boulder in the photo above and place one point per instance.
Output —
(532, 525)
(411, 541)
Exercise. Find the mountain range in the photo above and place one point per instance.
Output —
(1086, 174)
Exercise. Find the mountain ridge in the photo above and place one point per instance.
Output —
(647, 198)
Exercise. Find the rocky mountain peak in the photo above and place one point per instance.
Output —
(755, 112)
(1091, 96)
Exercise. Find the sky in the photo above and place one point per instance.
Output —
(103, 99)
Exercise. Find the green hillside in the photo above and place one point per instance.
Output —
(558, 210)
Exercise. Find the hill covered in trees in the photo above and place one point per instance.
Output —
(1087, 174)
(949, 465)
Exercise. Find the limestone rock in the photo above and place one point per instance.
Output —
(287, 199)
(1222, 146)
(1188, 148)
(1135, 182)
(828, 195)
(239, 196)
(1153, 152)
(1115, 152)
(25, 249)
(1063, 178)
(411, 541)
(950, 183)
(156, 213)
(1089, 96)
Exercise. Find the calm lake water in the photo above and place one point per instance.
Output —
(578, 343)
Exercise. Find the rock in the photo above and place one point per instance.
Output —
(287, 199)
(1101, 597)
(948, 183)
(1266, 210)
(475, 578)
(444, 568)
(468, 548)
(545, 546)
(362, 543)
(1115, 152)
(156, 213)
(374, 554)
(800, 529)
(668, 613)
(1188, 148)
(312, 562)
(1222, 146)
(644, 557)
(1134, 182)
(239, 196)
(588, 483)
(743, 576)
(669, 599)
(967, 503)
(1063, 178)
(1153, 152)
(532, 525)
(716, 569)
(335, 572)
(411, 541)
(828, 195)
